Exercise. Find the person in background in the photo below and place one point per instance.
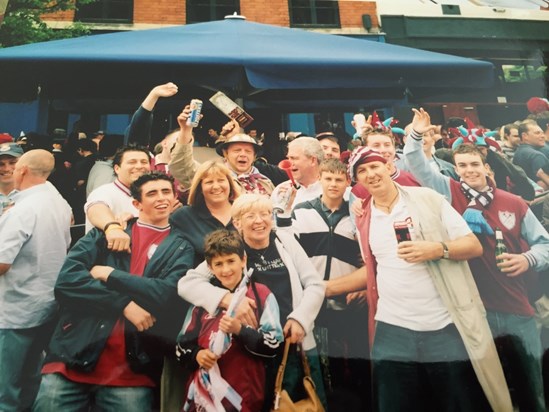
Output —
(35, 236)
(9, 154)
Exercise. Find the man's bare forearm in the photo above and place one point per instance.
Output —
(348, 283)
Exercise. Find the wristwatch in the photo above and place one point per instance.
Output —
(445, 251)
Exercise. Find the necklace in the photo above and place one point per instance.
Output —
(388, 206)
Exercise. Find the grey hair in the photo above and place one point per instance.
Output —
(311, 147)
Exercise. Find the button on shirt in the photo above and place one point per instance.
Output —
(34, 238)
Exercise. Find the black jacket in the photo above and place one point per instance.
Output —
(90, 308)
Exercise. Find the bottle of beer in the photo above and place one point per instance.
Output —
(500, 245)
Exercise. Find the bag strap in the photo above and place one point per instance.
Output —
(282, 368)
(304, 361)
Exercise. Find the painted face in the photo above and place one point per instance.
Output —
(255, 226)
(384, 145)
(534, 136)
(240, 157)
(471, 169)
(7, 166)
(132, 166)
(333, 185)
(374, 176)
(303, 167)
(157, 198)
(216, 188)
(228, 269)
(331, 149)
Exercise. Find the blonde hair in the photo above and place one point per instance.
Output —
(206, 169)
(250, 201)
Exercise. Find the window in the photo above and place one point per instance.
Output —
(210, 10)
(106, 11)
(314, 13)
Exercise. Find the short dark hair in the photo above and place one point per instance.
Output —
(88, 145)
(223, 242)
(135, 188)
(508, 127)
(128, 148)
(468, 149)
(110, 144)
(523, 127)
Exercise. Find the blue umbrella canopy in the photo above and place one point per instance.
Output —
(234, 55)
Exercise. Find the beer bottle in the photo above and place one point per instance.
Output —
(500, 245)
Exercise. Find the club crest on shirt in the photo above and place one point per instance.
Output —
(151, 250)
(507, 219)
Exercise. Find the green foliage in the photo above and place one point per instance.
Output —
(23, 22)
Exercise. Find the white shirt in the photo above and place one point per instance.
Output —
(407, 294)
(116, 196)
(34, 238)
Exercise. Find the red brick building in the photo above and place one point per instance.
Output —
(344, 17)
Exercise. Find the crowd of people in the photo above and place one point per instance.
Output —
(407, 267)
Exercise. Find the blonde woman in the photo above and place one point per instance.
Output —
(211, 195)
(282, 265)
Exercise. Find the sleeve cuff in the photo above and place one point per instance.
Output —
(415, 135)
(532, 261)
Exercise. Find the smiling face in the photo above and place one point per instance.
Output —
(255, 225)
(471, 169)
(228, 269)
(7, 166)
(533, 136)
(383, 144)
(240, 157)
(374, 176)
(132, 165)
(304, 168)
(156, 204)
(331, 149)
(215, 188)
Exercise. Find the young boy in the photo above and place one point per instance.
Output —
(241, 365)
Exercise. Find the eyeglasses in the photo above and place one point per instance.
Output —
(251, 217)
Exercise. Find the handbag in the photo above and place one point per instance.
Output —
(283, 402)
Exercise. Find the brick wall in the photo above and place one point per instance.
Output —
(262, 11)
(159, 11)
(266, 11)
(350, 13)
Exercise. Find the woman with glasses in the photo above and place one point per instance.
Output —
(278, 262)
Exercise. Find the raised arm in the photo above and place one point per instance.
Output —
(182, 164)
(139, 129)
(416, 160)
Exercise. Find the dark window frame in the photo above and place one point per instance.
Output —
(314, 7)
(216, 10)
(83, 11)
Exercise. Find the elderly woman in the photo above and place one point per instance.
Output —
(211, 195)
(282, 265)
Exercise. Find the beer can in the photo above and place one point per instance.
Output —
(196, 108)
(281, 202)
(402, 231)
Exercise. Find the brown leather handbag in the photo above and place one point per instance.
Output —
(283, 402)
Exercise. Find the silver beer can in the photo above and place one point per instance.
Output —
(196, 108)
